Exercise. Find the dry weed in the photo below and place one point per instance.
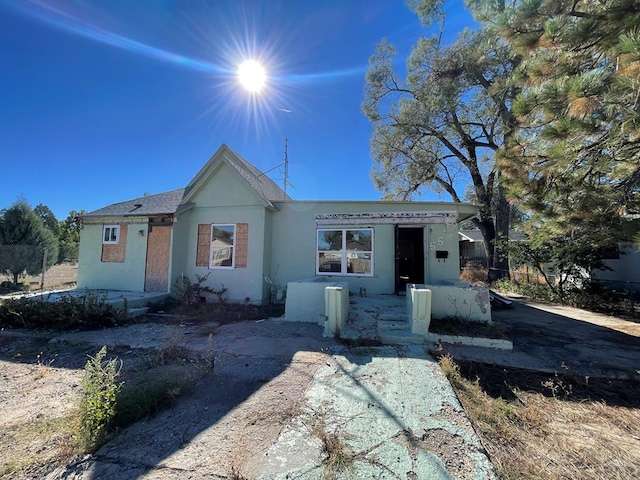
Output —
(474, 275)
(338, 457)
(534, 436)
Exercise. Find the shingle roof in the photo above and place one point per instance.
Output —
(158, 204)
(168, 202)
(261, 183)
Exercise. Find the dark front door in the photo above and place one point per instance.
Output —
(409, 257)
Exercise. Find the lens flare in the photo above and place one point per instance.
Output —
(252, 75)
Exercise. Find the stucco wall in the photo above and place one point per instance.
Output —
(95, 274)
(442, 238)
(224, 199)
(294, 243)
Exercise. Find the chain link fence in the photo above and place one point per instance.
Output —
(18, 262)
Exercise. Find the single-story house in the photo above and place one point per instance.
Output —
(234, 223)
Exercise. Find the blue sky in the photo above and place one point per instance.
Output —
(103, 101)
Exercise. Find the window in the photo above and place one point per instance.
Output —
(111, 234)
(222, 246)
(345, 252)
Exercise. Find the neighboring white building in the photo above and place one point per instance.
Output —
(624, 265)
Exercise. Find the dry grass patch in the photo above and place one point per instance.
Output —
(338, 457)
(40, 415)
(28, 446)
(590, 430)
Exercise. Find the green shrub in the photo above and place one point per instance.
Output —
(68, 313)
(98, 402)
(535, 291)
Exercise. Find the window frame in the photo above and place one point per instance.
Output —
(233, 247)
(112, 228)
(344, 253)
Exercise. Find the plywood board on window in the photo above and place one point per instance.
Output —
(116, 252)
(242, 244)
(158, 251)
(204, 245)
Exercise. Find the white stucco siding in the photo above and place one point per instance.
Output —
(443, 238)
(180, 247)
(266, 260)
(241, 283)
(294, 243)
(225, 189)
(93, 273)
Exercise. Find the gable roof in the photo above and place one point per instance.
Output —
(158, 204)
(265, 189)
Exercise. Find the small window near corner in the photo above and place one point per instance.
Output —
(110, 234)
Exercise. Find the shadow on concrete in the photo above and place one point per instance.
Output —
(249, 357)
(564, 352)
(573, 339)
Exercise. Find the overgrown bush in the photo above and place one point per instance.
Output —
(98, 402)
(67, 313)
(535, 291)
(589, 296)
(188, 292)
(10, 287)
(474, 274)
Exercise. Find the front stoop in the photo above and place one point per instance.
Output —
(394, 329)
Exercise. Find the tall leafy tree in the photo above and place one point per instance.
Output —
(576, 161)
(23, 241)
(48, 218)
(439, 127)
(69, 236)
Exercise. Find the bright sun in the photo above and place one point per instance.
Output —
(251, 75)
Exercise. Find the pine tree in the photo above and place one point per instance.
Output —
(576, 159)
(24, 240)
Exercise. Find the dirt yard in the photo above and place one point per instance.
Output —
(56, 278)
(41, 375)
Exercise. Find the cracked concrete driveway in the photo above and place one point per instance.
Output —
(285, 403)
(554, 338)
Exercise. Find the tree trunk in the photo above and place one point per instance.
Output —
(488, 230)
(495, 234)
(500, 267)
(15, 278)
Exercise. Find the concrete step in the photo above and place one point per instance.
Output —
(395, 337)
(394, 315)
(392, 324)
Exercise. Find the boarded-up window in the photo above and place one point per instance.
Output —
(115, 252)
(242, 244)
(204, 245)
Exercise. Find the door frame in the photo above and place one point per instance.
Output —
(399, 285)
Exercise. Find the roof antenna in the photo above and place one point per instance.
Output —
(285, 182)
(286, 168)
